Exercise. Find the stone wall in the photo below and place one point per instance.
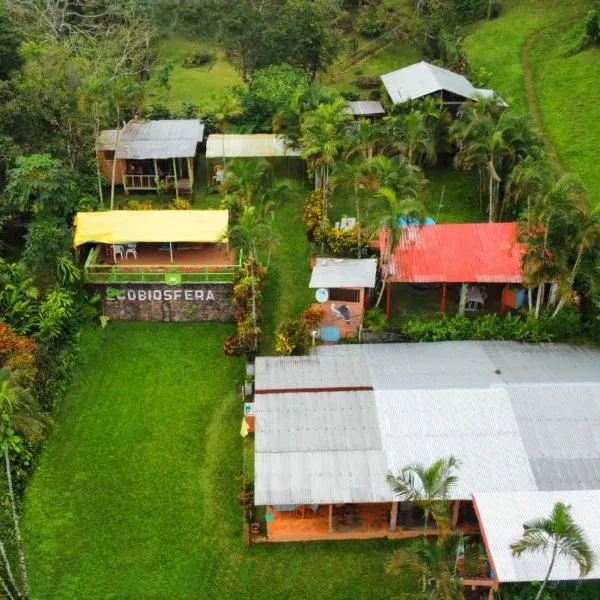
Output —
(162, 302)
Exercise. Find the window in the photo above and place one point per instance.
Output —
(109, 155)
(344, 295)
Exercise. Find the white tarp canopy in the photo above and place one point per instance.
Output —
(253, 145)
(502, 516)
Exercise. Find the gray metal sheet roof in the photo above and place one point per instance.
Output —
(520, 417)
(344, 273)
(309, 372)
(422, 79)
(502, 517)
(366, 108)
(477, 426)
(138, 140)
(560, 428)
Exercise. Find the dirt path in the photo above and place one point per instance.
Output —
(530, 86)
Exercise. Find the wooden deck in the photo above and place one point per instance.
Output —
(367, 522)
(183, 254)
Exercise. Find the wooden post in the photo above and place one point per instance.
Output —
(491, 594)
(330, 519)
(190, 164)
(171, 251)
(388, 300)
(455, 511)
(176, 182)
(463, 299)
(394, 516)
(156, 175)
(444, 292)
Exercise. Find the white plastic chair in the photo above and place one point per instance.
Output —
(118, 250)
(131, 248)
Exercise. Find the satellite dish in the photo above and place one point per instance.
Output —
(322, 295)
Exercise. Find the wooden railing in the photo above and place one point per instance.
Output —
(119, 273)
(141, 182)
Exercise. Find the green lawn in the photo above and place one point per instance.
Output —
(569, 103)
(567, 100)
(136, 493)
(198, 85)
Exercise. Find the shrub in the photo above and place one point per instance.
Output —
(313, 317)
(369, 22)
(566, 325)
(367, 81)
(343, 243)
(592, 27)
(138, 205)
(200, 59)
(157, 111)
(473, 10)
(180, 204)
(375, 319)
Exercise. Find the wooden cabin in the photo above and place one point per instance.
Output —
(151, 155)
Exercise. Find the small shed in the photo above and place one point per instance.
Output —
(342, 286)
(151, 155)
(366, 109)
(424, 79)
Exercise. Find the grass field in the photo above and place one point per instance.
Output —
(566, 102)
(199, 85)
(136, 493)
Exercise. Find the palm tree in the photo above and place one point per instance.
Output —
(19, 414)
(355, 175)
(437, 564)
(412, 135)
(427, 488)
(368, 136)
(405, 178)
(495, 146)
(585, 236)
(245, 182)
(558, 535)
(324, 137)
(387, 214)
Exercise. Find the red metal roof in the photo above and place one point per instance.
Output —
(458, 253)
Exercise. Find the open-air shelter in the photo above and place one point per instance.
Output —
(135, 243)
(467, 254)
(151, 155)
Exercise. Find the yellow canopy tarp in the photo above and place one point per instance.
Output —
(118, 226)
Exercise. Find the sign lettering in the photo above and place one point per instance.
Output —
(159, 295)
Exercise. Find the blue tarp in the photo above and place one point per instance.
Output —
(415, 222)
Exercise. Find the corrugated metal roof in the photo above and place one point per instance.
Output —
(247, 146)
(366, 108)
(422, 79)
(317, 448)
(520, 417)
(458, 253)
(477, 426)
(344, 273)
(168, 138)
(309, 372)
(560, 428)
(502, 516)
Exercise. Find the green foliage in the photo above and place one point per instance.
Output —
(157, 111)
(202, 58)
(43, 185)
(47, 241)
(581, 590)
(565, 326)
(270, 91)
(375, 319)
(370, 22)
(592, 27)
(10, 40)
(474, 10)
